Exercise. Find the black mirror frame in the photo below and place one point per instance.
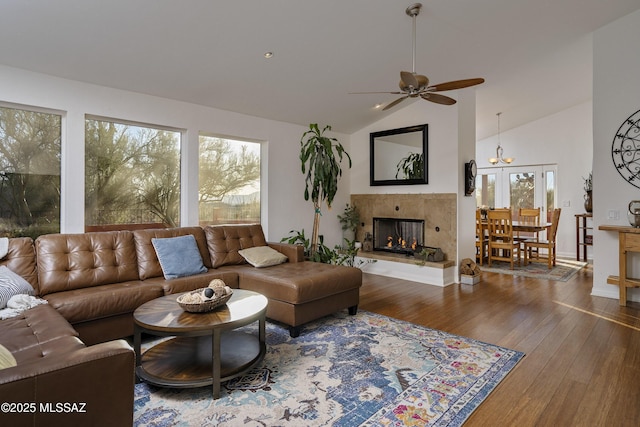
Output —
(411, 181)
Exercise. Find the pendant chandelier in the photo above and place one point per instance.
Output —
(498, 158)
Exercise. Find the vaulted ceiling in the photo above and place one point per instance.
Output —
(535, 55)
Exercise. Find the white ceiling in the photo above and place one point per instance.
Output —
(535, 55)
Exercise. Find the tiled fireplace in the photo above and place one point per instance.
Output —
(396, 220)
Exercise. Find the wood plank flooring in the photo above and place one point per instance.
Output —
(582, 363)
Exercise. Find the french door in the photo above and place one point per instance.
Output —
(518, 187)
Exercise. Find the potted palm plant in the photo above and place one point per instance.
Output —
(321, 157)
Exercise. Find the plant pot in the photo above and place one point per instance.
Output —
(588, 202)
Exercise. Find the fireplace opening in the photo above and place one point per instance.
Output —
(396, 235)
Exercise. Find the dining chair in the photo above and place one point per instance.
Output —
(482, 241)
(502, 245)
(529, 216)
(549, 245)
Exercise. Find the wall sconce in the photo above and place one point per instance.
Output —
(498, 158)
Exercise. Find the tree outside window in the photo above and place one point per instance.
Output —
(132, 176)
(29, 172)
(229, 176)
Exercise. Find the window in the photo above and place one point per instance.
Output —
(486, 189)
(29, 172)
(229, 177)
(132, 175)
(518, 187)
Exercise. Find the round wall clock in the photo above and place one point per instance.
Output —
(625, 150)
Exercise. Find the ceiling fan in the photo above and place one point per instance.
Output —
(413, 85)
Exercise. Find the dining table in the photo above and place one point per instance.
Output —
(521, 226)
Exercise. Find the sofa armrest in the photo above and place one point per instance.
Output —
(90, 386)
(295, 253)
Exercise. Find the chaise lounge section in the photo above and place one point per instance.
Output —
(298, 291)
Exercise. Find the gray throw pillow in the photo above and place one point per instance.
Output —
(12, 284)
(178, 256)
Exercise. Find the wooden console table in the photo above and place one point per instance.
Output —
(583, 238)
(629, 241)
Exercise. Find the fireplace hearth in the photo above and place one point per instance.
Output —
(398, 235)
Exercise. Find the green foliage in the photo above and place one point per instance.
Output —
(320, 158)
(30, 147)
(347, 255)
(320, 164)
(337, 256)
(522, 190)
(423, 255)
(322, 254)
(224, 169)
(132, 174)
(350, 219)
(411, 167)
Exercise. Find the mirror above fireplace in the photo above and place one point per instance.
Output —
(399, 156)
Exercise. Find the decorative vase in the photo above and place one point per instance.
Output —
(588, 202)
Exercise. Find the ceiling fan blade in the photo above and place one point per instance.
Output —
(394, 103)
(456, 84)
(365, 93)
(438, 99)
(408, 79)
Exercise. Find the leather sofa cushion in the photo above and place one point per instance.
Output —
(300, 282)
(21, 259)
(186, 284)
(75, 261)
(38, 332)
(148, 264)
(226, 240)
(82, 305)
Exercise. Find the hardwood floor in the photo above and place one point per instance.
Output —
(582, 363)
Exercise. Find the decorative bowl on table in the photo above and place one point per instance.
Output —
(195, 302)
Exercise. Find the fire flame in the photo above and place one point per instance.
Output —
(401, 242)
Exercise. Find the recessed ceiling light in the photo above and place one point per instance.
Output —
(268, 55)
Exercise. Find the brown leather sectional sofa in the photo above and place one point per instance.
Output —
(94, 281)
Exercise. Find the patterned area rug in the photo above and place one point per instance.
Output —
(564, 269)
(342, 370)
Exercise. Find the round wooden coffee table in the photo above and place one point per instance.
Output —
(206, 350)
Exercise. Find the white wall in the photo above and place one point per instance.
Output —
(442, 148)
(564, 138)
(451, 143)
(616, 96)
(283, 182)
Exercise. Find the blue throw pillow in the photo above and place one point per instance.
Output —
(178, 256)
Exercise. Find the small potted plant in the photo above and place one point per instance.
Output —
(350, 219)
